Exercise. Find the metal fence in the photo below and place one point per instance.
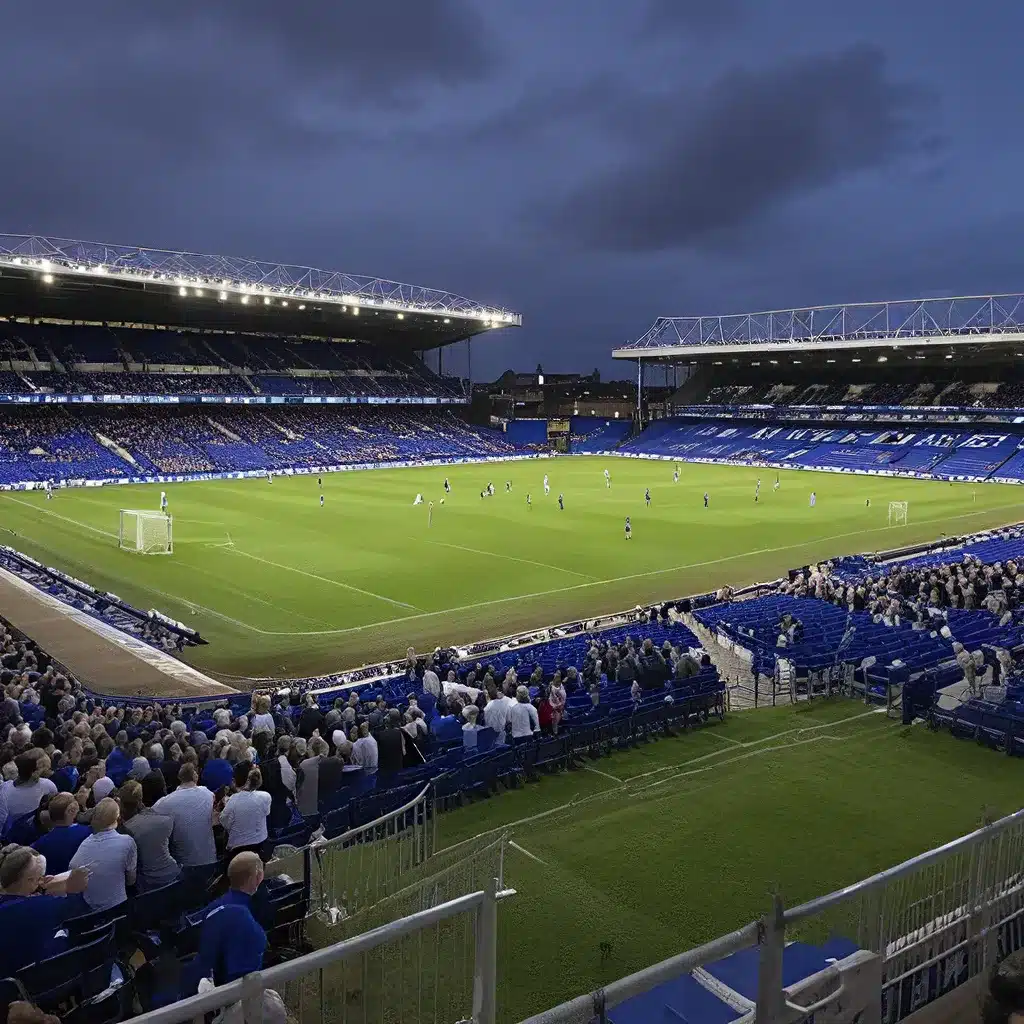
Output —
(914, 932)
(366, 864)
(438, 965)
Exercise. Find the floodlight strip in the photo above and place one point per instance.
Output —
(914, 320)
(222, 278)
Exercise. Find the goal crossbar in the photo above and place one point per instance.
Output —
(145, 532)
(898, 511)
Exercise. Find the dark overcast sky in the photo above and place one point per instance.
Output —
(590, 163)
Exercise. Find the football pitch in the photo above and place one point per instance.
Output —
(283, 587)
(652, 851)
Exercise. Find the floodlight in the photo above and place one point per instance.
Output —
(355, 311)
(17, 261)
(302, 305)
(401, 316)
(198, 293)
(446, 320)
(284, 302)
(183, 291)
(222, 296)
(266, 300)
(48, 278)
(245, 299)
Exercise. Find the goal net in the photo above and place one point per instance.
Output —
(145, 533)
(898, 513)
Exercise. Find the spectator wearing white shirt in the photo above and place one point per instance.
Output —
(470, 731)
(431, 682)
(496, 712)
(262, 719)
(25, 794)
(191, 807)
(523, 716)
(110, 857)
(364, 750)
(245, 816)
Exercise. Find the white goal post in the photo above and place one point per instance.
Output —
(898, 513)
(145, 532)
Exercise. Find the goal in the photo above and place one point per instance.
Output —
(146, 533)
(898, 513)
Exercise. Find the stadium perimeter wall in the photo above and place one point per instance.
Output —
(762, 464)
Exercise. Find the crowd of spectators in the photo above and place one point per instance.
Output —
(103, 801)
(915, 594)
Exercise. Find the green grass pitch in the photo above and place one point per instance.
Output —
(282, 587)
(661, 848)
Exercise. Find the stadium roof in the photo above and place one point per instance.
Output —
(922, 323)
(61, 278)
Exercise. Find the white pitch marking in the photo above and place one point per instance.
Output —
(324, 579)
(511, 558)
(526, 853)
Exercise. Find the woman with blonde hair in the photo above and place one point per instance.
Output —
(244, 817)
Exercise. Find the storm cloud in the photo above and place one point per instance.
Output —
(699, 165)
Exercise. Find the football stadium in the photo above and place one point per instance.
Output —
(400, 696)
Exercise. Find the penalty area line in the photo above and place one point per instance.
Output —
(323, 579)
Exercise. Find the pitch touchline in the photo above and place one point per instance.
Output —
(614, 579)
(511, 558)
(322, 579)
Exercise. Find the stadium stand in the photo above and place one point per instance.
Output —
(136, 361)
(56, 738)
(83, 442)
(923, 449)
(593, 434)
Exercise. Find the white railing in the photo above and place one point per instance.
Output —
(386, 968)
(920, 929)
(370, 862)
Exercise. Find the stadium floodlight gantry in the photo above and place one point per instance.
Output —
(152, 280)
(991, 319)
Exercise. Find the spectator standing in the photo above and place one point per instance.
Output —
(364, 750)
(231, 940)
(557, 699)
(308, 777)
(311, 720)
(245, 816)
(151, 832)
(190, 807)
(110, 857)
(523, 718)
(391, 745)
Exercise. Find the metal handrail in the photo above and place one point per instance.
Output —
(324, 844)
(252, 984)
